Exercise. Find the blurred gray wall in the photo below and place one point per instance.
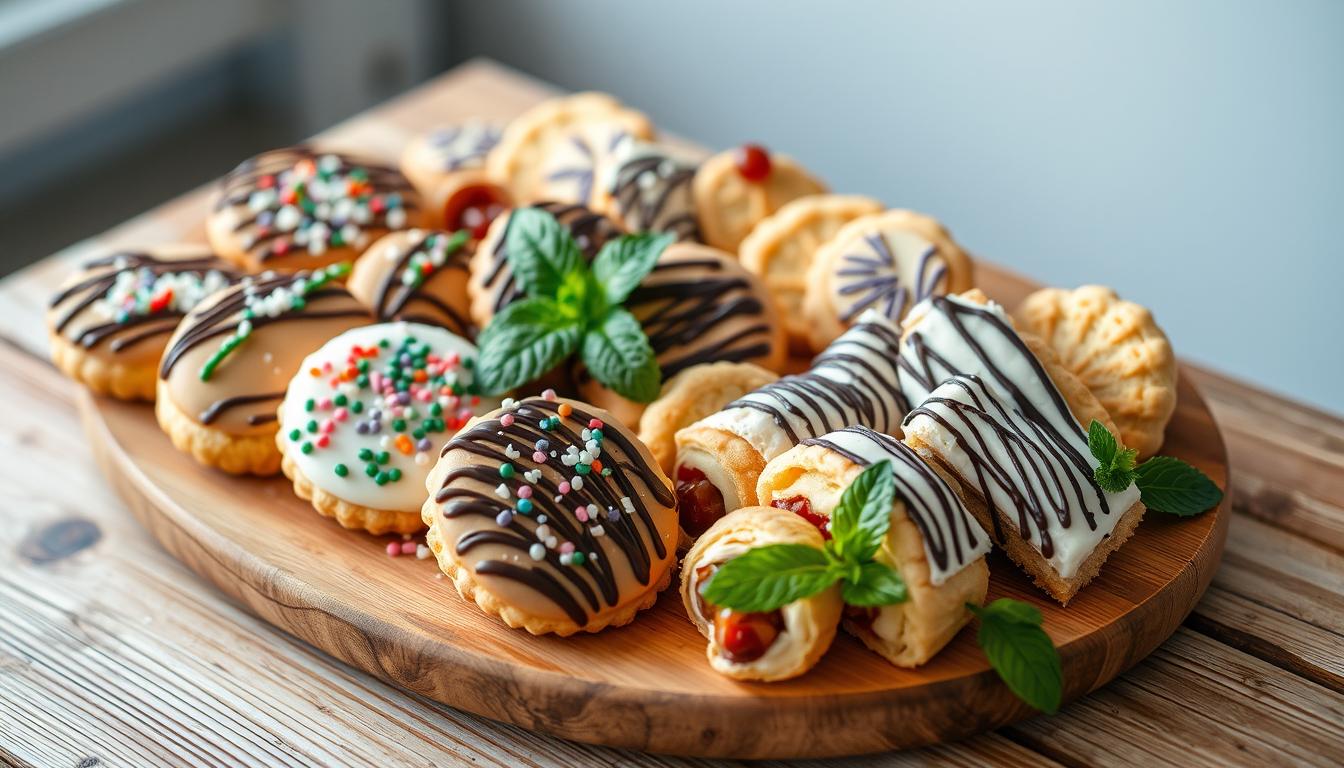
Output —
(1190, 154)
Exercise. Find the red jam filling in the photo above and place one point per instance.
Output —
(473, 208)
(753, 162)
(802, 507)
(741, 637)
(699, 503)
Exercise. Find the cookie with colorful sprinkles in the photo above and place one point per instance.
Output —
(365, 417)
(298, 208)
(109, 322)
(553, 516)
(417, 275)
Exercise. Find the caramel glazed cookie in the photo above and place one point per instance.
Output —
(648, 189)
(227, 366)
(418, 275)
(296, 208)
(552, 516)
(364, 419)
(110, 321)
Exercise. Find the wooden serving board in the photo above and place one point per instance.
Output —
(647, 685)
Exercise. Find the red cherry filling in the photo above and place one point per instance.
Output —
(741, 637)
(473, 208)
(802, 507)
(699, 503)
(753, 162)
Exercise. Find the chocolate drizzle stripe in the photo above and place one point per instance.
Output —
(219, 407)
(393, 298)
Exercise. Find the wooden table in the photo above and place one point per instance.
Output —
(113, 653)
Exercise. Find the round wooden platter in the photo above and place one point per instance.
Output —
(647, 685)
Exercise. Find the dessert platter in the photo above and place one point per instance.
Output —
(575, 428)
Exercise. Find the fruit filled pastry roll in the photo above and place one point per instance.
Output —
(776, 645)
(551, 515)
(720, 457)
(447, 165)
(933, 542)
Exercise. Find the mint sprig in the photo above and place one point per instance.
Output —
(770, 577)
(1020, 652)
(571, 308)
(1166, 484)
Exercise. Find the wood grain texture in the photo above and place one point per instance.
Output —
(232, 682)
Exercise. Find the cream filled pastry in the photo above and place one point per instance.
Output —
(551, 515)
(933, 542)
(766, 646)
(299, 208)
(226, 367)
(417, 275)
(648, 189)
(365, 417)
(698, 305)
(720, 457)
(110, 321)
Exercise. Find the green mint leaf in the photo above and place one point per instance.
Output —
(769, 577)
(1115, 468)
(618, 354)
(1169, 485)
(878, 584)
(1020, 652)
(622, 263)
(859, 522)
(541, 252)
(525, 340)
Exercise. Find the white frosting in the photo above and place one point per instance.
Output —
(575, 163)
(1055, 479)
(454, 147)
(887, 270)
(406, 494)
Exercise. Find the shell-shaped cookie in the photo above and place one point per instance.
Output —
(417, 275)
(550, 514)
(301, 208)
(648, 189)
(729, 204)
(780, 249)
(1116, 349)
(887, 261)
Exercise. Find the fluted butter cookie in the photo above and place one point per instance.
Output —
(447, 165)
(556, 150)
(492, 286)
(765, 646)
(299, 208)
(780, 249)
(551, 515)
(734, 190)
(933, 541)
(365, 417)
(887, 261)
(417, 275)
(109, 322)
(690, 396)
(648, 189)
(697, 306)
(226, 367)
(1116, 349)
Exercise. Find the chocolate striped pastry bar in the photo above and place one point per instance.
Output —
(933, 543)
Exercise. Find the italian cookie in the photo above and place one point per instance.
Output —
(556, 150)
(933, 541)
(734, 190)
(417, 275)
(551, 515)
(299, 208)
(447, 165)
(109, 322)
(492, 286)
(766, 646)
(1117, 350)
(225, 369)
(648, 189)
(998, 410)
(365, 417)
(887, 261)
(780, 248)
(690, 396)
(697, 306)
(720, 457)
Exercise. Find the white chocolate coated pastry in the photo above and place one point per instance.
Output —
(933, 541)
(775, 646)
